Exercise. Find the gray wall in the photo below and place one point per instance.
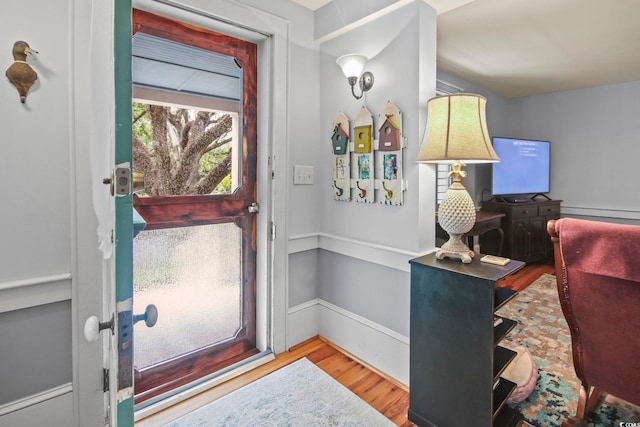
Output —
(35, 351)
(375, 292)
(594, 145)
(595, 148)
(304, 276)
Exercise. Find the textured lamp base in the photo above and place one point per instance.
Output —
(455, 248)
(456, 215)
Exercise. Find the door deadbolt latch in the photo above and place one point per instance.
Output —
(254, 208)
(123, 181)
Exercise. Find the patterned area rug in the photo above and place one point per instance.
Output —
(300, 394)
(543, 330)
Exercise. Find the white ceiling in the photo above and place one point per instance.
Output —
(524, 47)
(312, 4)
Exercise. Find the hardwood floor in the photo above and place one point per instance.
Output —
(524, 277)
(386, 395)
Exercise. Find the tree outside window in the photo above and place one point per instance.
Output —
(182, 151)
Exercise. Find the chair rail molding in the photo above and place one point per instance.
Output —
(36, 399)
(371, 252)
(595, 212)
(35, 291)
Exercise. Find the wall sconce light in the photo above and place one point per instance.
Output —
(352, 66)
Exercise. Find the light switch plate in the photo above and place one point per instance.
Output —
(302, 175)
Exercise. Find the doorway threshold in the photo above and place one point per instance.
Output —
(164, 401)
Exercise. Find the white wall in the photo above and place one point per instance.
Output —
(594, 147)
(593, 134)
(49, 244)
(395, 60)
(304, 133)
(35, 162)
(36, 223)
(360, 262)
(63, 251)
(364, 249)
(56, 259)
(347, 262)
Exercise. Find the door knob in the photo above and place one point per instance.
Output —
(150, 316)
(93, 326)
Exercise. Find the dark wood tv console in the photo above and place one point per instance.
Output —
(525, 228)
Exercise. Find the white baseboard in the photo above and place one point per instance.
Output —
(378, 346)
(302, 322)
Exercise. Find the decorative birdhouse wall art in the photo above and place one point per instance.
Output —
(389, 135)
(363, 138)
(390, 145)
(340, 140)
(341, 159)
(366, 165)
(20, 74)
(365, 160)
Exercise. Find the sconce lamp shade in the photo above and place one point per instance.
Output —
(457, 131)
(352, 64)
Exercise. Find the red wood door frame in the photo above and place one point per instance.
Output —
(180, 211)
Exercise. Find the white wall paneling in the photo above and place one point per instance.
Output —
(19, 294)
(51, 407)
(371, 252)
(381, 347)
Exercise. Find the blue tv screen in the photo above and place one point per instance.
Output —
(523, 168)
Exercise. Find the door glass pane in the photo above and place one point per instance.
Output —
(185, 151)
(193, 276)
(186, 113)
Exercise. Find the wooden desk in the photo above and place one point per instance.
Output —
(485, 221)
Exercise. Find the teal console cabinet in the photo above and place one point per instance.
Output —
(455, 360)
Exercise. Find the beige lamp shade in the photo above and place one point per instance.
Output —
(457, 134)
(457, 131)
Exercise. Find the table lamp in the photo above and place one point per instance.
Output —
(457, 134)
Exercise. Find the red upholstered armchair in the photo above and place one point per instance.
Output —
(598, 276)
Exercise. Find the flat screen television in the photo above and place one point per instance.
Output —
(523, 170)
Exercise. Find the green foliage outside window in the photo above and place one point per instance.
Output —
(182, 151)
